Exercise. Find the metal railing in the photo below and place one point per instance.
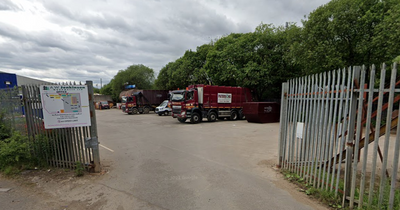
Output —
(12, 110)
(335, 125)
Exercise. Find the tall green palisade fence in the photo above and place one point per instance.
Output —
(340, 132)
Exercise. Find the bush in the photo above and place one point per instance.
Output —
(42, 150)
(5, 130)
(14, 153)
(79, 169)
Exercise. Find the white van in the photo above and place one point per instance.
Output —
(163, 109)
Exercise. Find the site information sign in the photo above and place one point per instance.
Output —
(65, 106)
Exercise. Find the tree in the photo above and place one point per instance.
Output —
(186, 70)
(348, 32)
(386, 43)
(139, 75)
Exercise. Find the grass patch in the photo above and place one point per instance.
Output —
(79, 170)
(335, 202)
(326, 197)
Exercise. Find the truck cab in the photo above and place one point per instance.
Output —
(135, 104)
(185, 104)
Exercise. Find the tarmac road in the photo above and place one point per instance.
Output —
(156, 162)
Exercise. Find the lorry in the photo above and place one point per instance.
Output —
(142, 101)
(211, 102)
(164, 108)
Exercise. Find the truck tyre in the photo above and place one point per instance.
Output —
(135, 111)
(166, 113)
(182, 120)
(159, 114)
(241, 115)
(234, 115)
(195, 118)
(146, 110)
(212, 117)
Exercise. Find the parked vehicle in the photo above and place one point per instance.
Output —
(164, 108)
(104, 105)
(142, 101)
(211, 102)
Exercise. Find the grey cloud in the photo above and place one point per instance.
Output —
(90, 19)
(41, 38)
(8, 5)
(98, 38)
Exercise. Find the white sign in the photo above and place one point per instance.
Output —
(225, 98)
(65, 106)
(299, 130)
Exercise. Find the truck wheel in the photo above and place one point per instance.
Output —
(159, 114)
(135, 111)
(234, 115)
(166, 113)
(146, 110)
(182, 120)
(195, 118)
(212, 117)
(241, 115)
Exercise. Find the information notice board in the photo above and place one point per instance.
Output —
(65, 106)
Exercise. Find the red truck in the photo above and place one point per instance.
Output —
(142, 101)
(211, 102)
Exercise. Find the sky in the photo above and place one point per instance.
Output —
(71, 40)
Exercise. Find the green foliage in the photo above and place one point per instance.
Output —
(42, 150)
(189, 69)
(139, 75)
(338, 34)
(344, 33)
(79, 170)
(5, 129)
(326, 197)
(14, 153)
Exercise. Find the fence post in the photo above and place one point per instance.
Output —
(350, 133)
(93, 128)
(282, 130)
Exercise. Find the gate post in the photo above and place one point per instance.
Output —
(93, 128)
(350, 132)
(282, 127)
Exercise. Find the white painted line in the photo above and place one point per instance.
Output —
(106, 148)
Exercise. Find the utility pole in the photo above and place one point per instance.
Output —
(101, 83)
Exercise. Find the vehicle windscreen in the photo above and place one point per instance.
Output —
(104, 102)
(164, 103)
(123, 99)
(180, 96)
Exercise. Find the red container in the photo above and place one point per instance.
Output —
(261, 112)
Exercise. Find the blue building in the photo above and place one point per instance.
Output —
(8, 80)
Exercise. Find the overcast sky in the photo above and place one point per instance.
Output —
(71, 40)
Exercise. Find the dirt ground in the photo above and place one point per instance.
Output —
(61, 189)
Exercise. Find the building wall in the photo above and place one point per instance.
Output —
(12, 78)
(29, 81)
